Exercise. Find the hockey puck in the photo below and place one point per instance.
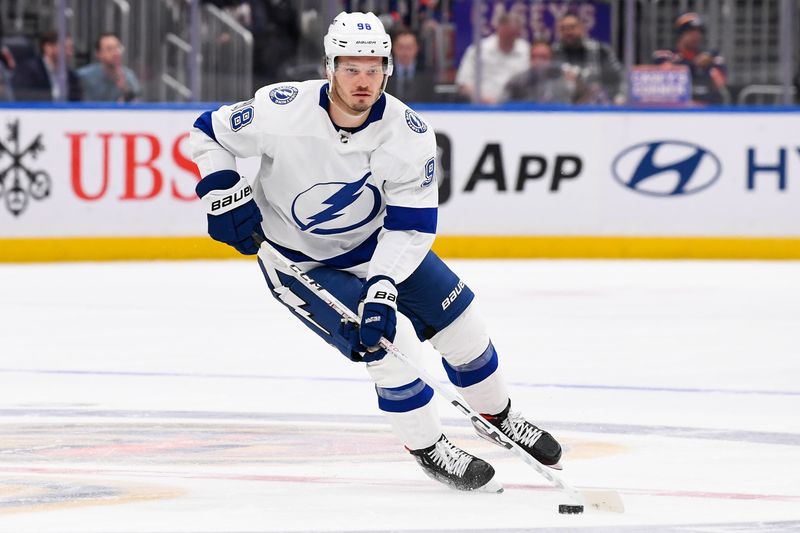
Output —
(570, 509)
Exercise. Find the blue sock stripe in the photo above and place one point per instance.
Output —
(475, 371)
(405, 398)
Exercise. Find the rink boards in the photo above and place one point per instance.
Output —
(104, 182)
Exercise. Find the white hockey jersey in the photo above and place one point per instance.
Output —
(363, 199)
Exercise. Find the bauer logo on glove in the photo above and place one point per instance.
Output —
(230, 199)
(233, 215)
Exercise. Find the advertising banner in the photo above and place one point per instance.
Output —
(75, 173)
(660, 85)
(102, 173)
(623, 173)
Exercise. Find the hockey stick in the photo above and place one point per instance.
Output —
(604, 500)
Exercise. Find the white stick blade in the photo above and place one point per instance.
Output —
(604, 500)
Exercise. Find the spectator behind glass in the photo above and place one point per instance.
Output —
(545, 81)
(36, 79)
(6, 64)
(409, 82)
(709, 73)
(601, 73)
(108, 80)
(503, 55)
(6, 59)
(276, 36)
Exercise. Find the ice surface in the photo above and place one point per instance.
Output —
(179, 396)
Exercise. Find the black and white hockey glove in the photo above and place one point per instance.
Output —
(233, 215)
(378, 312)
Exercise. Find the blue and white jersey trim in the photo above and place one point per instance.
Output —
(357, 256)
(422, 219)
(203, 123)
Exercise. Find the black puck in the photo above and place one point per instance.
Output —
(570, 509)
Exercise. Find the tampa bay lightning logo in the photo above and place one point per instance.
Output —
(283, 95)
(317, 209)
(666, 168)
(415, 123)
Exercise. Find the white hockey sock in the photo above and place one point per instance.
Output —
(419, 428)
(463, 344)
(489, 396)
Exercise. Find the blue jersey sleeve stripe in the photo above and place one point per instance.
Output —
(422, 219)
(203, 123)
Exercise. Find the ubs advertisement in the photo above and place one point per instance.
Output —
(96, 173)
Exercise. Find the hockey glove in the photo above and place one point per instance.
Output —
(357, 351)
(232, 214)
(378, 312)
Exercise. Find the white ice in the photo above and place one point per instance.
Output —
(180, 396)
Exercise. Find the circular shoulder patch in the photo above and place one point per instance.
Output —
(283, 95)
(415, 123)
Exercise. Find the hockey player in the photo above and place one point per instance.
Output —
(347, 191)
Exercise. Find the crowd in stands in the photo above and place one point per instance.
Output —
(576, 69)
(573, 68)
(35, 78)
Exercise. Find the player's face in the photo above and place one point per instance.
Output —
(358, 81)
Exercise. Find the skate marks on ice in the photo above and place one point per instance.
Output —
(203, 445)
(33, 489)
(64, 457)
(740, 527)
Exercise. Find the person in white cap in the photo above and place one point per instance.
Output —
(347, 191)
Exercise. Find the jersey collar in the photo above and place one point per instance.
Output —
(375, 113)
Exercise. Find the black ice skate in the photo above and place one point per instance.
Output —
(537, 442)
(447, 463)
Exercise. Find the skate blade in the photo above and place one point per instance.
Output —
(492, 486)
(556, 466)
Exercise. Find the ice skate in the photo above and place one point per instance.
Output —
(449, 464)
(537, 442)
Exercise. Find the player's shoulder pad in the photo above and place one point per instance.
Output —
(405, 121)
(286, 95)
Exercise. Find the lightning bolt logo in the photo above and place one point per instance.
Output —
(337, 204)
(297, 304)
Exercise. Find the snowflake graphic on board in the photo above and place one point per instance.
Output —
(18, 181)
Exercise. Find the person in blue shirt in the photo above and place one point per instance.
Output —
(108, 80)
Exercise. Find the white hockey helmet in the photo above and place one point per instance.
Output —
(357, 34)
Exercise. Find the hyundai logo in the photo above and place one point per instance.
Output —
(666, 168)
